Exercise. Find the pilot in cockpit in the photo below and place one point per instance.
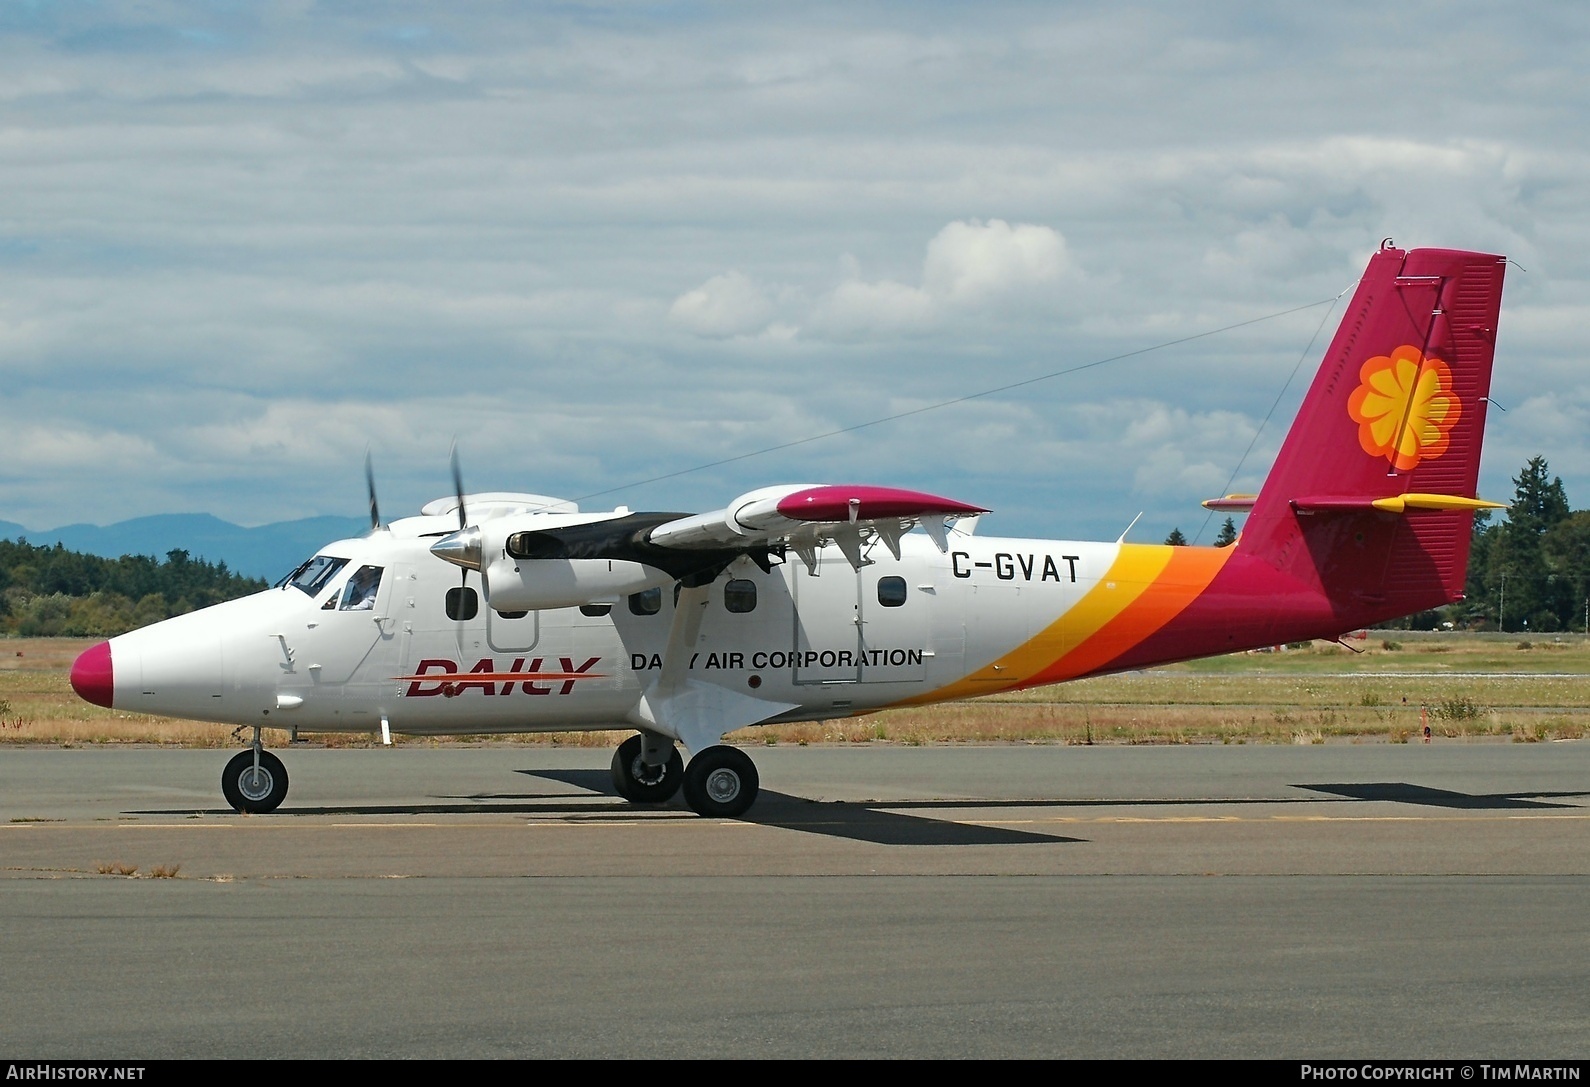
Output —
(361, 590)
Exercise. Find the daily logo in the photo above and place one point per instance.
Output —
(1404, 407)
(442, 677)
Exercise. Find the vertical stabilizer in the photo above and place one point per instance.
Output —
(1371, 498)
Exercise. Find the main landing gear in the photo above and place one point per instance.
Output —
(720, 782)
(647, 769)
(254, 781)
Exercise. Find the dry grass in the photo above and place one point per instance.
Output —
(1464, 686)
(119, 868)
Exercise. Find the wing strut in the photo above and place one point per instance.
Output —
(693, 711)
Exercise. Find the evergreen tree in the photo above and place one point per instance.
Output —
(1537, 505)
(1514, 581)
(53, 591)
(1176, 539)
(1566, 547)
(1228, 534)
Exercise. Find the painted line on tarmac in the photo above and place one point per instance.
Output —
(1075, 820)
(556, 822)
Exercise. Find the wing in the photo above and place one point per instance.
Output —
(804, 516)
(554, 559)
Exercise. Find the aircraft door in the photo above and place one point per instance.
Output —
(350, 646)
(443, 624)
(896, 628)
(827, 636)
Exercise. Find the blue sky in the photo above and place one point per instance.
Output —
(598, 244)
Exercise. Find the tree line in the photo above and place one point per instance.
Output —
(1530, 572)
(48, 591)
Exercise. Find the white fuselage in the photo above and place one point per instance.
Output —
(809, 643)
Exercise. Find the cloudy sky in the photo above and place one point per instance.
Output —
(607, 244)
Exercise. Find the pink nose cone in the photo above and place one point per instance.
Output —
(92, 676)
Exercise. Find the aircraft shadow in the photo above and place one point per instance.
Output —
(1403, 793)
(859, 822)
(892, 822)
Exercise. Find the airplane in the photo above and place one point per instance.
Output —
(506, 612)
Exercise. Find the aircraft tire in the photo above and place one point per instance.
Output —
(636, 782)
(721, 782)
(250, 793)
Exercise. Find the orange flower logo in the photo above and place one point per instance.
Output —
(1404, 407)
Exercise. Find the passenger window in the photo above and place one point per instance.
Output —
(512, 614)
(462, 603)
(891, 591)
(739, 596)
(646, 603)
(359, 593)
(595, 611)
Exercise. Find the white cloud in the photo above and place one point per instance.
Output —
(730, 304)
(970, 261)
(856, 308)
(603, 249)
(969, 264)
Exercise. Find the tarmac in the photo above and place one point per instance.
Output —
(1302, 902)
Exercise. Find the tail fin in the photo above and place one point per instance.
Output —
(1371, 499)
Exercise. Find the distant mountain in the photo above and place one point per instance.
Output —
(268, 551)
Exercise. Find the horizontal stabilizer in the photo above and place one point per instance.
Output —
(1231, 503)
(1399, 503)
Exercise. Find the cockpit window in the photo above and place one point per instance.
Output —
(314, 575)
(359, 594)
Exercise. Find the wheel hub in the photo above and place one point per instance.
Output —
(723, 785)
(254, 783)
(647, 775)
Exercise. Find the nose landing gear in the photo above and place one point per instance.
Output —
(254, 781)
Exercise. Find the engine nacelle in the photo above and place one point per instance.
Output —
(533, 561)
(532, 584)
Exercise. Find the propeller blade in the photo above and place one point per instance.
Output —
(458, 486)
(463, 547)
(369, 482)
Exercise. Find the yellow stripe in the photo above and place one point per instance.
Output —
(1133, 571)
(1185, 577)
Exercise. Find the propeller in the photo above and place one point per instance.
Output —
(458, 487)
(369, 482)
(461, 548)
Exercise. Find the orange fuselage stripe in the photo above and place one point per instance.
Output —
(1187, 574)
(1145, 587)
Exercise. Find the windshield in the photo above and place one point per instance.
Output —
(313, 575)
